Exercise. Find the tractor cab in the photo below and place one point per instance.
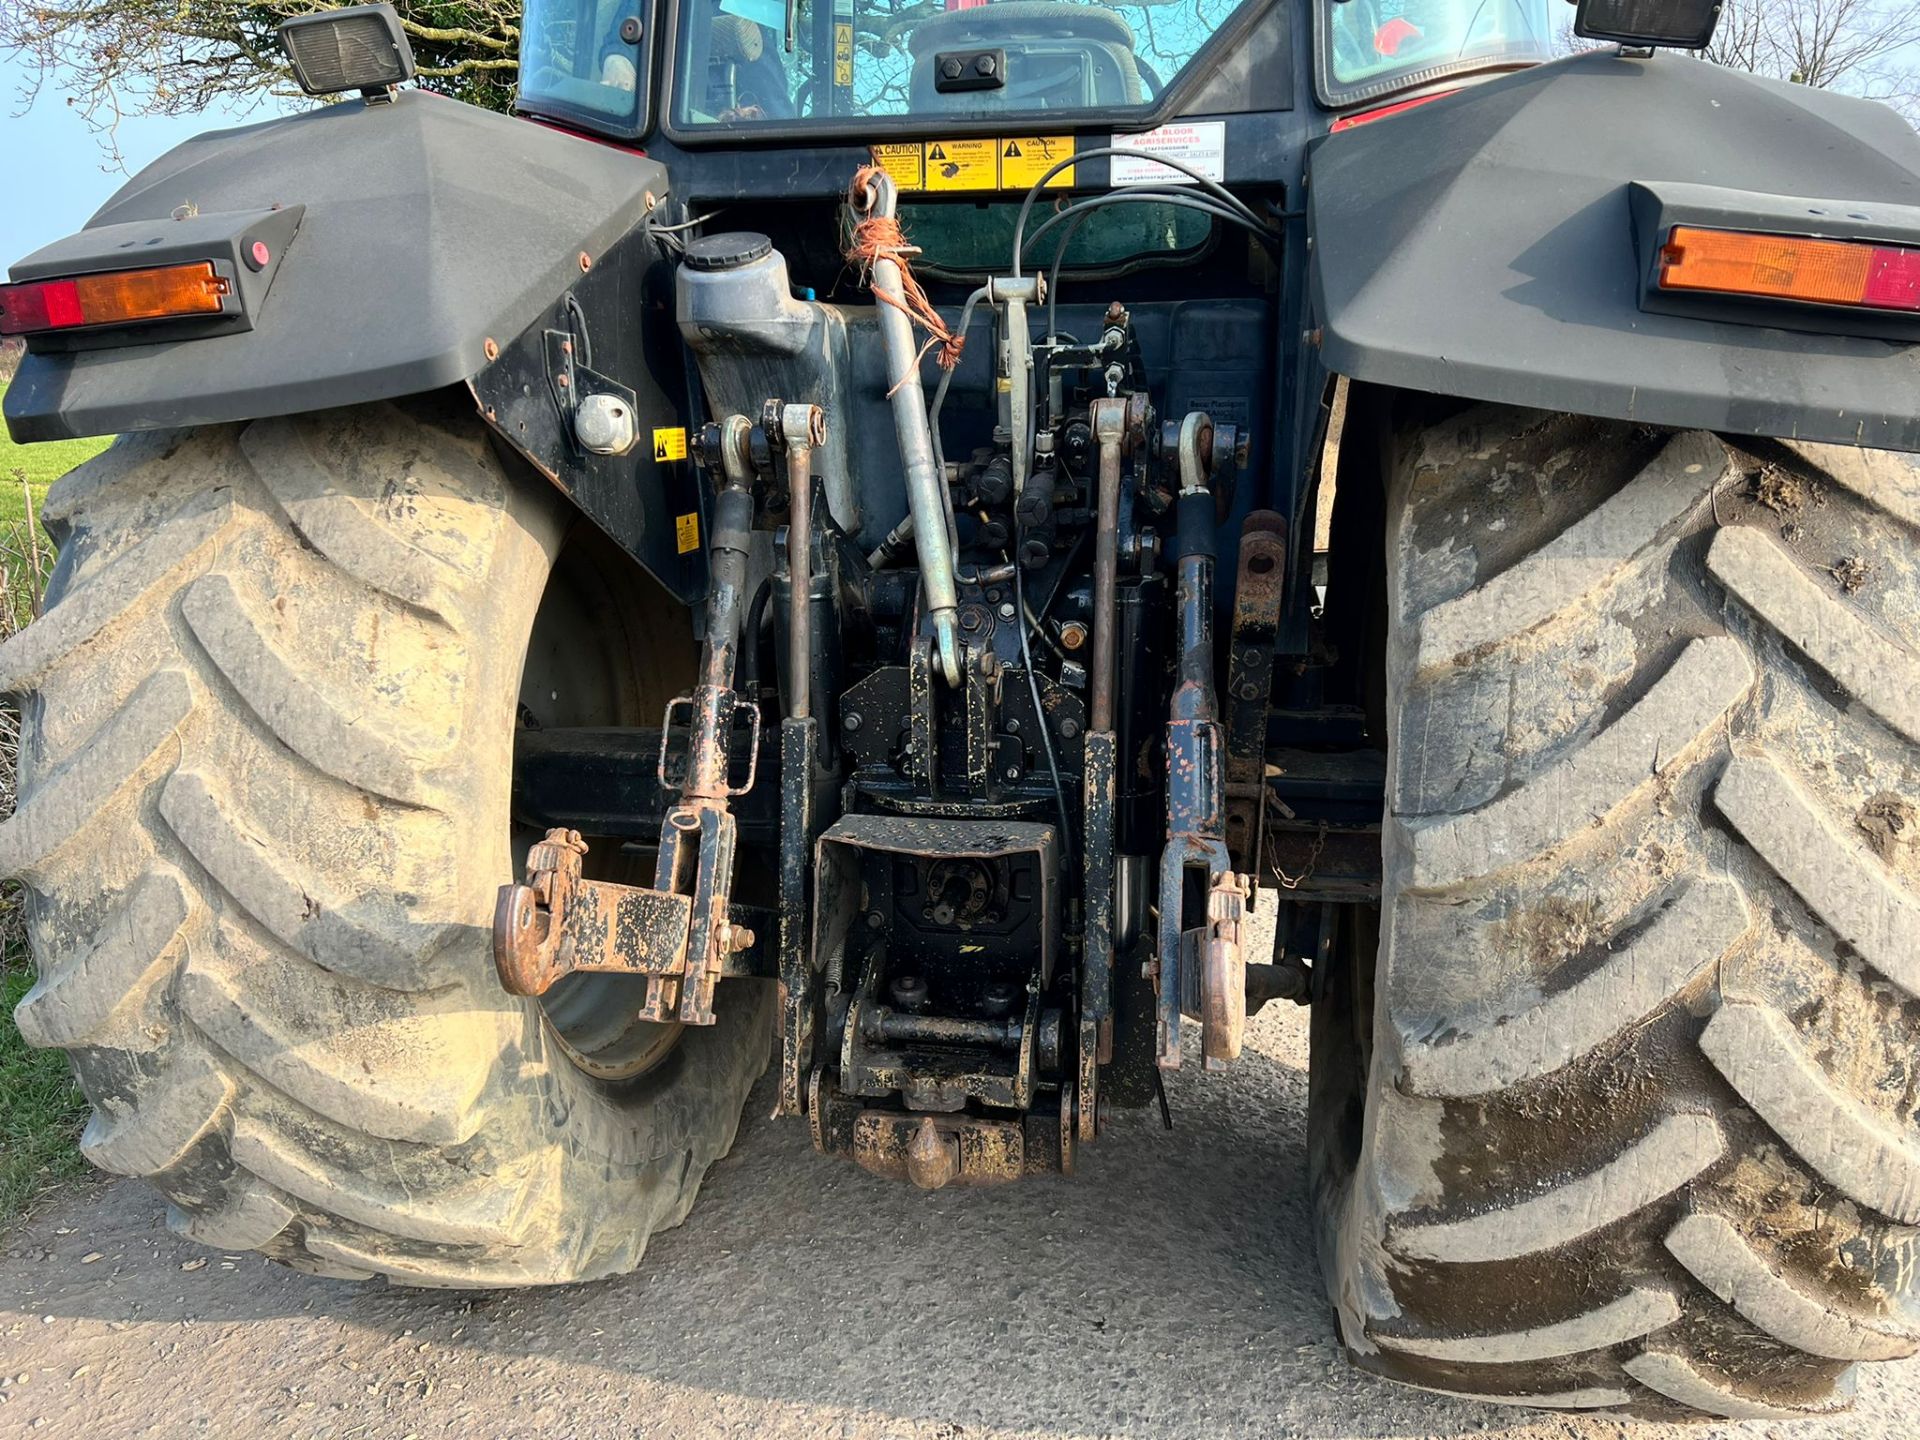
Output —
(744, 66)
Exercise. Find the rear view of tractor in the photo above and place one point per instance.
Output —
(806, 557)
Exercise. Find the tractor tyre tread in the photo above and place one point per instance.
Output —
(266, 742)
(1642, 1120)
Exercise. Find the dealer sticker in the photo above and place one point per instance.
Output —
(1200, 145)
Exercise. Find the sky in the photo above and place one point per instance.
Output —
(54, 172)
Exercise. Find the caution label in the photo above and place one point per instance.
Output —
(1024, 159)
(686, 533)
(904, 163)
(843, 55)
(963, 165)
(1012, 162)
(669, 444)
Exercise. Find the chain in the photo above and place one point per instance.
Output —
(1294, 882)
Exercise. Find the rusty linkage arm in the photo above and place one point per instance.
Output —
(1115, 423)
(680, 934)
(1202, 965)
(799, 430)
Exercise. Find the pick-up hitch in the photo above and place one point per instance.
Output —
(559, 924)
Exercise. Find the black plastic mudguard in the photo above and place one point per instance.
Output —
(611, 331)
(1483, 245)
(430, 227)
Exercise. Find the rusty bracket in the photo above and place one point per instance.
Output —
(1259, 588)
(728, 703)
(1223, 979)
(1193, 867)
(932, 1152)
(696, 860)
(559, 923)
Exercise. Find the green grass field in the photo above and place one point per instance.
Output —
(41, 1110)
(43, 464)
(40, 1107)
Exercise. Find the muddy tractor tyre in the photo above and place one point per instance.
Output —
(1638, 1126)
(267, 748)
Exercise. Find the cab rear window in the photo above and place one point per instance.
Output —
(963, 240)
(854, 59)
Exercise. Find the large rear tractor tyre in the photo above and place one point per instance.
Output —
(1637, 1129)
(267, 751)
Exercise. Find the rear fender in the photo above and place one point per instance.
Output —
(436, 245)
(1483, 245)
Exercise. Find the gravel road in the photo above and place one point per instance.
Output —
(1170, 1291)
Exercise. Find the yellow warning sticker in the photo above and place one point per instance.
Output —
(1012, 162)
(669, 444)
(843, 55)
(963, 164)
(686, 533)
(903, 163)
(1025, 158)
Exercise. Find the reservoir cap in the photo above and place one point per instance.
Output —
(729, 251)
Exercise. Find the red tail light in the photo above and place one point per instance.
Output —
(119, 297)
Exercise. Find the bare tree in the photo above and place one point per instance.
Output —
(1869, 48)
(172, 57)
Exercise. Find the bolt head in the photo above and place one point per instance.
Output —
(951, 69)
(986, 65)
(851, 721)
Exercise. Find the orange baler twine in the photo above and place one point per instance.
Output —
(881, 235)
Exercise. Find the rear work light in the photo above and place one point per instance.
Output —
(1791, 267)
(118, 297)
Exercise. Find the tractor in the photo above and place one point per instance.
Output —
(946, 554)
